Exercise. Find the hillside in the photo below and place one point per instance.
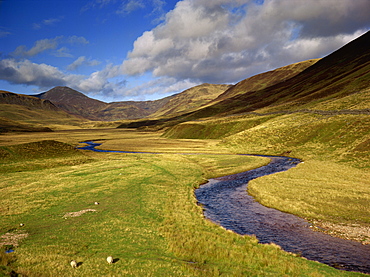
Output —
(130, 109)
(337, 81)
(266, 79)
(322, 113)
(7, 97)
(77, 103)
(73, 102)
(24, 113)
(191, 99)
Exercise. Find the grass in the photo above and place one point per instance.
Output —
(318, 190)
(147, 219)
(34, 117)
(38, 155)
(331, 188)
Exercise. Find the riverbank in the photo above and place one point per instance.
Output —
(334, 197)
(227, 203)
(147, 217)
(354, 232)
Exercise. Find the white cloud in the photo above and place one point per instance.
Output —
(46, 22)
(39, 46)
(45, 76)
(130, 6)
(28, 73)
(63, 52)
(43, 45)
(99, 80)
(106, 83)
(159, 87)
(308, 47)
(125, 7)
(226, 41)
(76, 40)
(80, 61)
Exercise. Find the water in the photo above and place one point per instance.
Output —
(227, 203)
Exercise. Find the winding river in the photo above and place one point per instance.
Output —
(227, 203)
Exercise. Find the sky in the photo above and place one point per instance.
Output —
(120, 50)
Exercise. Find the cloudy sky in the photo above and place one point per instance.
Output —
(116, 50)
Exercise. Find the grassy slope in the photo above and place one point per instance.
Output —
(321, 116)
(344, 73)
(147, 218)
(76, 103)
(266, 79)
(191, 99)
(334, 146)
(28, 114)
(183, 102)
(21, 115)
(38, 155)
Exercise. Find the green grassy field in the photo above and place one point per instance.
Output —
(147, 217)
(331, 188)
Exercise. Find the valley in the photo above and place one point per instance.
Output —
(148, 217)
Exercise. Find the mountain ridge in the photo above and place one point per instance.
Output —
(298, 86)
(340, 74)
(77, 103)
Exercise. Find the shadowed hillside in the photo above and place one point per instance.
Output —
(191, 99)
(265, 79)
(342, 75)
(73, 102)
(79, 104)
(322, 113)
(24, 113)
(7, 97)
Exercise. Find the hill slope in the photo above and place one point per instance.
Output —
(24, 113)
(340, 74)
(76, 103)
(266, 79)
(321, 113)
(73, 101)
(191, 99)
(344, 74)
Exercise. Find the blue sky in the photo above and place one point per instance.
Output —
(117, 50)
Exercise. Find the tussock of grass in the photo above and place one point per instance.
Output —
(38, 155)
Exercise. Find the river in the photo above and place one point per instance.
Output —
(226, 202)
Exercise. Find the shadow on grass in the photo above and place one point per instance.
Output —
(115, 260)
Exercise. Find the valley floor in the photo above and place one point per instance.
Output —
(147, 217)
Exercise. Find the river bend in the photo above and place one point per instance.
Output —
(226, 202)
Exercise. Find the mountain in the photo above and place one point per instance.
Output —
(191, 99)
(343, 74)
(72, 101)
(130, 109)
(77, 103)
(266, 79)
(7, 97)
(24, 113)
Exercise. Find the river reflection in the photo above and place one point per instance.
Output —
(227, 203)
